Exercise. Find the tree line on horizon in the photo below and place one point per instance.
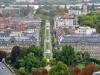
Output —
(45, 2)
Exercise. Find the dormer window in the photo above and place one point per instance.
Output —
(12, 41)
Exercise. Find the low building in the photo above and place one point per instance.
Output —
(82, 43)
(9, 11)
(85, 30)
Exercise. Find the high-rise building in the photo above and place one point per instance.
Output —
(85, 7)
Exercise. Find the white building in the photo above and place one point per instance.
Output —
(76, 12)
(85, 30)
(30, 1)
(64, 21)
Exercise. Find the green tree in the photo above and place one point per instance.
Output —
(87, 58)
(44, 62)
(21, 71)
(3, 54)
(55, 52)
(53, 42)
(38, 52)
(14, 53)
(24, 11)
(29, 62)
(91, 19)
(88, 23)
(23, 52)
(59, 69)
(52, 62)
(67, 55)
(27, 58)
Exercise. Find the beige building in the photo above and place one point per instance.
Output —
(82, 43)
(16, 38)
(75, 12)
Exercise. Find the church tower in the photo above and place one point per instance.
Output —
(85, 7)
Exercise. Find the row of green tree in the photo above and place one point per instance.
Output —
(48, 12)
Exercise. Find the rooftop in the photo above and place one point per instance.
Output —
(4, 69)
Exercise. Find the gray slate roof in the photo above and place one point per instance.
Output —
(25, 39)
(4, 70)
(63, 39)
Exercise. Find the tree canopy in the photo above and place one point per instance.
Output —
(48, 12)
(28, 58)
(67, 55)
(59, 69)
(91, 19)
(24, 11)
(3, 54)
(14, 53)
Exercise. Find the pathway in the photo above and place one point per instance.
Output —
(47, 42)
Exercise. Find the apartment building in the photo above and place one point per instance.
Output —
(65, 20)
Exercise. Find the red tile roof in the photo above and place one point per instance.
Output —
(20, 27)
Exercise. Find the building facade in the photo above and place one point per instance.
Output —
(64, 21)
(75, 12)
(82, 43)
(85, 30)
(9, 11)
(17, 38)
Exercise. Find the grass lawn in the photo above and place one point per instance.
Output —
(81, 65)
(47, 34)
(47, 45)
(48, 55)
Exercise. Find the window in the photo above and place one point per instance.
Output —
(12, 41)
